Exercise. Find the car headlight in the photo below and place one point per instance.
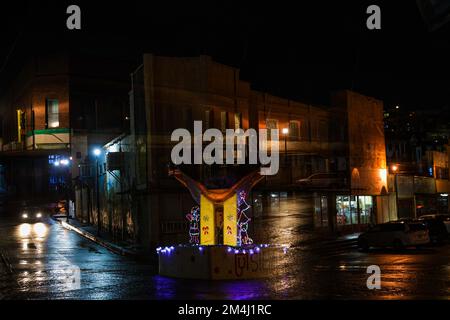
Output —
(25, 216)
(39, 215)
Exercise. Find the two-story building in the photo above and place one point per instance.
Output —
(53, 109)
(344, 140)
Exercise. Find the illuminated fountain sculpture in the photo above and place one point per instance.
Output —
(220, 247)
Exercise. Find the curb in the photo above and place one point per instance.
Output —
(327, 241)
(337, 245)
(111, 247)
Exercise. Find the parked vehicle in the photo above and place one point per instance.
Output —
(436, 230)
(445, 218)
(323, 180)
(398, 234)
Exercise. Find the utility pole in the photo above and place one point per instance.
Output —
(97, 153)
(395, 171)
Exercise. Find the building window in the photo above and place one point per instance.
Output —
(321, 209)
(271, 124)
(238, 120)
(187, 119)
(294, 130)
(223, 121)
(52, 113)
(323, 131)
(209, 119)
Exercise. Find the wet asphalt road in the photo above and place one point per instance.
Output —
(45, 258)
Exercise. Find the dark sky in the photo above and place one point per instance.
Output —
(302, 51)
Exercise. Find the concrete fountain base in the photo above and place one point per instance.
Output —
(219, 262)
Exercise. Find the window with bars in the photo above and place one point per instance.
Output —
(271, 124)
(238, 120)
(223, 121)
(294, 130)
(209, 120)
(52, 113)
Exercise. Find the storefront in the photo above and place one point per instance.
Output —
(442, 203)
(352, 213)
(431, 204)
(354, 210)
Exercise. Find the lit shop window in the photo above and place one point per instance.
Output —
(354, 210)
(52, 112)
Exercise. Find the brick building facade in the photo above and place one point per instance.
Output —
(56, 107)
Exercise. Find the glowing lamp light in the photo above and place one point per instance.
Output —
(258, 249)
(200, 248)
(236, 251)
(97, 152)
(383, 176)
(394, 168)
(285, 131)
(229, 250)
(64, 162)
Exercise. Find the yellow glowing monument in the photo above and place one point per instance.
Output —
(221, 221)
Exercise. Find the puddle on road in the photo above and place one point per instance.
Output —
(84, 245)
(31, 246)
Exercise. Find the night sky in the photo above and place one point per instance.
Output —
(292, 50)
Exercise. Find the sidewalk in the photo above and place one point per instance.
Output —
(104, 239)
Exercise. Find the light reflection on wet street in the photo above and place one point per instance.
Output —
(45, 257)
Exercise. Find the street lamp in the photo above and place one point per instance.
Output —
(285, 133)
(97, 152)
(394, 169)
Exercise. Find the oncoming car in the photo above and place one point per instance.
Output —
(394, 234)
(32, 214)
